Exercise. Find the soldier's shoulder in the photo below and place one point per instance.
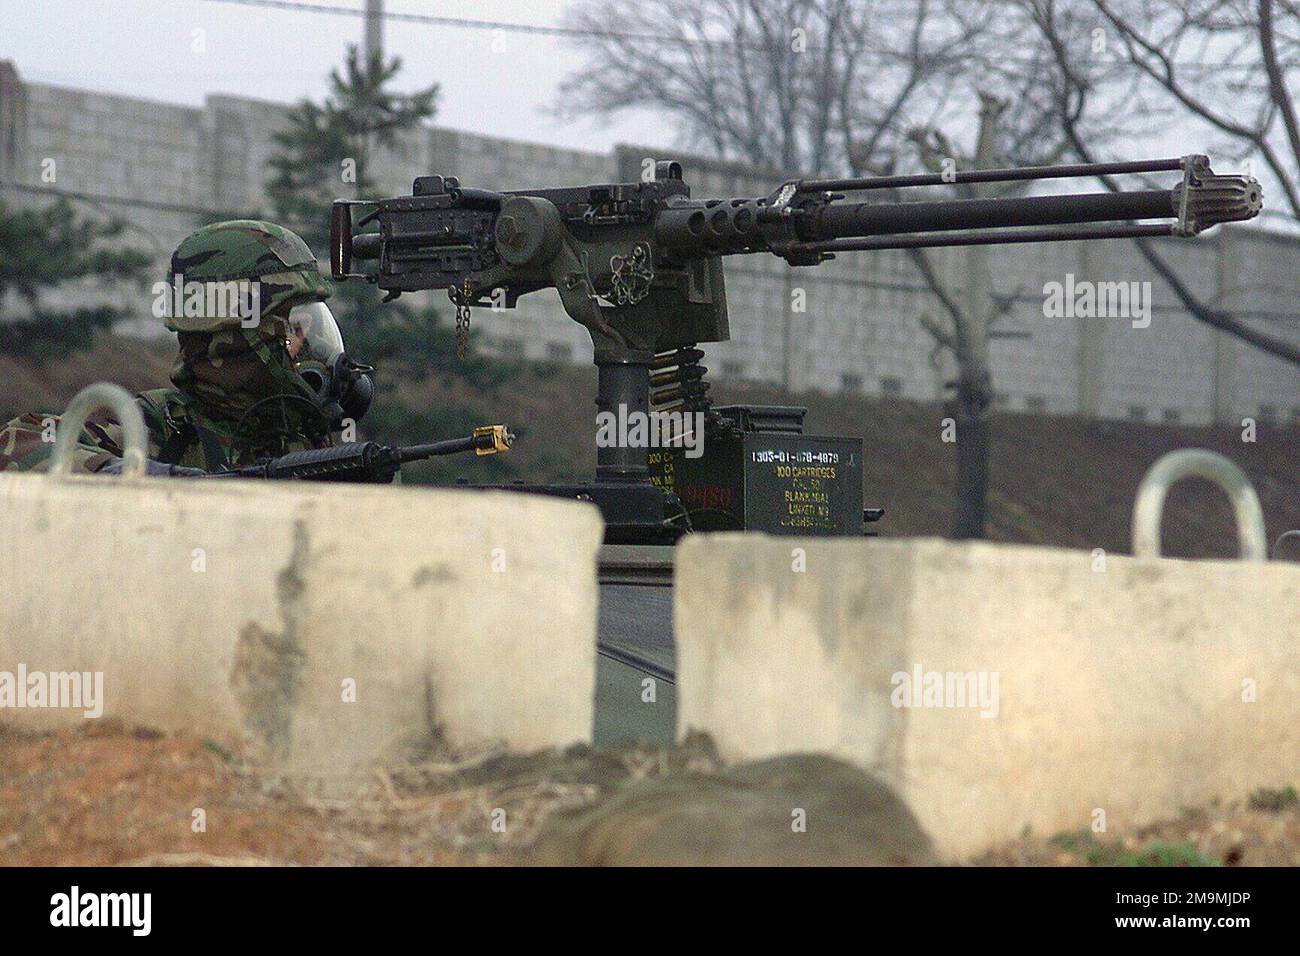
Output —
(23, 435)
(37, 420)
(27, 440)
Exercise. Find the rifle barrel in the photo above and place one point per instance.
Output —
(448, 446)
(485, 440)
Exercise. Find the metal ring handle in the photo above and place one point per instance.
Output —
(118, 401)
(1149, 505)
(1283, 539)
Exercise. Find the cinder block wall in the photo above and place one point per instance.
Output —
(164, 164)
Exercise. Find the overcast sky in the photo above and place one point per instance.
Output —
(494, 83)
(146, 48)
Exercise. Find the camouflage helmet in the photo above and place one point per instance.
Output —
(224, 253)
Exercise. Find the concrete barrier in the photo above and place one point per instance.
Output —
(320, 625)
(1072, 688)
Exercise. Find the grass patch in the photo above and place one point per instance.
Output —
(1274, 801)
(1084, 843)
(217, 749)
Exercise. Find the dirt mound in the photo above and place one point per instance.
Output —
(104, 795)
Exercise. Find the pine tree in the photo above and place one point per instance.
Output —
(326, 147)
(324, 153)
(44, 247)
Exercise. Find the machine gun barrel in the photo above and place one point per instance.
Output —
(805, 221)
(845, 220)
(982, 237)
(1010, 174)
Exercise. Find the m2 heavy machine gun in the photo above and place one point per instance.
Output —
(639, 264)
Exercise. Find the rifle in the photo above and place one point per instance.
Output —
(639, 264)
(368, 461)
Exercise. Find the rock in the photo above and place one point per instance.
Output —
(746, 815)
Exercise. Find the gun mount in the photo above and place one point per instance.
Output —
(639, 265)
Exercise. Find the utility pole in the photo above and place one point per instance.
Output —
(970, 405)
(373, 65)
(374, 30)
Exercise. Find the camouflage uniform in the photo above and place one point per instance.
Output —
(223, 370)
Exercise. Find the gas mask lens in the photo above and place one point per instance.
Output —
(313, 324)
(343, 388)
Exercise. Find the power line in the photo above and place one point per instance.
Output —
(141, 203)
(503, 25)
(135, 201)
(535, 29)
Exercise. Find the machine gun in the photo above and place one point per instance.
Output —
(639, 264)
(368, 461)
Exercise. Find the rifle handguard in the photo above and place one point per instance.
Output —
(352, 461)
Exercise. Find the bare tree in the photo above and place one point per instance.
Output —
(1223, 65)
(969, 320)
(1006, 55)
(838, 87)
(760, 81)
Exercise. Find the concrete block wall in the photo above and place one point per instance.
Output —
(860, 331)
(123, 149)
(1258, 272)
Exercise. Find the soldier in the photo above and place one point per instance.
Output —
(254, 381)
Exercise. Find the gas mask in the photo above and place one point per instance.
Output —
(343, 388)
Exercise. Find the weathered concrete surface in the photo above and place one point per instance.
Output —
(239, 610)
(1127, 690)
